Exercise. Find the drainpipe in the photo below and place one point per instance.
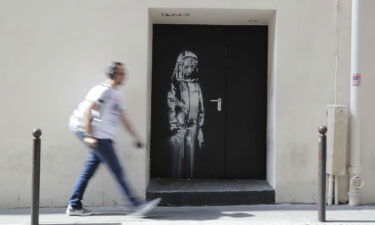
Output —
(356, 181)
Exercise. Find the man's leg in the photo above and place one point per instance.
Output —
(89, 168)
(107, 154)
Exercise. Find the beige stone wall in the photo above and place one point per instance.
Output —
(53, 52)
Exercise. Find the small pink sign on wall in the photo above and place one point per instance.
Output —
(356, 79)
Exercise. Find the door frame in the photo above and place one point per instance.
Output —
(215, 17)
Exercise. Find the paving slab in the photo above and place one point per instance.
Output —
(305, 214)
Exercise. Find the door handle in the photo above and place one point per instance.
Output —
(218, 101)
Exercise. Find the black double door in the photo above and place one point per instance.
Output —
(230, 76)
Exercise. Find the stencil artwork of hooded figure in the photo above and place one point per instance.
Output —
(186, 114)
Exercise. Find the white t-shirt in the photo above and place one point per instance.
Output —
(106, 120)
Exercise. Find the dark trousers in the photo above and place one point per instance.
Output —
(102, 153)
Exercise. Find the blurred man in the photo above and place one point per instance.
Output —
(96, 122)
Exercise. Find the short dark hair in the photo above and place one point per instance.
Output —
(111, 68)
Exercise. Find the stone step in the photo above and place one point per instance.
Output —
(199, 192)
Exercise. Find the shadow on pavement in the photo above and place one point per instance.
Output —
(166, 213)
(194, 214)
(110, 214)
(351, 221)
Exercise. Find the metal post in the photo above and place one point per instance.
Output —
(36, 178)
(322, 174)
(355, 109)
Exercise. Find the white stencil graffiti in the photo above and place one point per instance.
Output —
(186, 114)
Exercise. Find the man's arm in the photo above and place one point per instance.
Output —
(87, 118)
(129, 127)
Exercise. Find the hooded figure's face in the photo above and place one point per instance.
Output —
(188, 65)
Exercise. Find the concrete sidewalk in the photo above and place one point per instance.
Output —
(215, 215)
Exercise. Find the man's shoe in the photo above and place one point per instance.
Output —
(77, 212)
(146, 207)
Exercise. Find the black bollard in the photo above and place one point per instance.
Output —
(36, 178)
(322, 174)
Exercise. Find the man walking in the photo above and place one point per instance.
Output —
(96, 122)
